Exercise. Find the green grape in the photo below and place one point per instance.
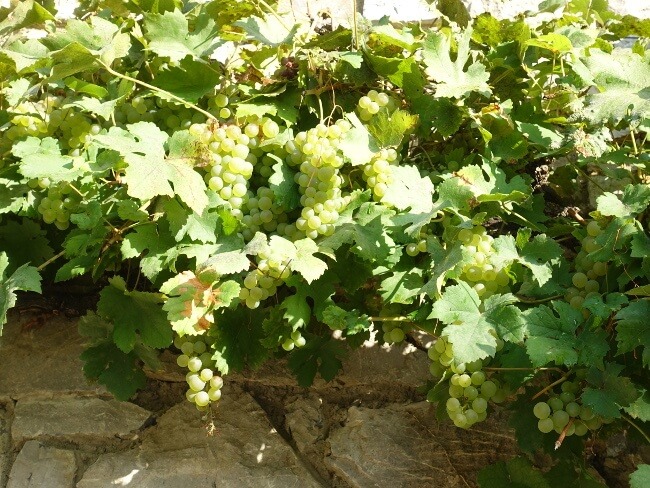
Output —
(556, 404)
(202, 399)
(200, 347)
(488, 389)
(573, 409)
(464, 381)
(580, 428)
(542, 410)
(216, 382)
(453, 404)
(288, 345)
(593, 229)
(456, 391)
(586, 413)
(478, 378)
(206, 374)
(195, 382)
(479, 405)
(567, 397)
(545, 425)
(182, 360)
(470, 392)
(187, 348)
(471, 416)
(560, 419)
(214, 394)
(579, 280)
(194, 364)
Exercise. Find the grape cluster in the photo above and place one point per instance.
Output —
(316, 153)
(261, 212)
(564, 413)
(371, 103)
(486, 278)
(295, 340)
(378, 172)
(272, 271)
(470, 389)
(219, 104)
(586, 279)
(29, 120)
(58, 204)
(204, 385)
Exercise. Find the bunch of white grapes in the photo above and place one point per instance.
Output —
(58, 204)
(378, 172)
(262, 213)
(232, 161)
(272, 271)
(564, 412)
(470, 389)
(29, 119)
(204, 385)
(485, 277)
(319, 159)
(589, 273)
(371, 103)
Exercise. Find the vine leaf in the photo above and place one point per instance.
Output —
(453, 81)
(169, 35)
(150, 172)
(320, 355)
(136, 316)
(25, 278)
(41, 158)
(633, 329)
(609, 391)
(641, 477)
(515, 472)
(471, 329)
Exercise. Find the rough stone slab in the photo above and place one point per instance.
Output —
(5, 445)
(405, 446)
(80, 420)
(39, 466)
(42, 361)
(244, 451)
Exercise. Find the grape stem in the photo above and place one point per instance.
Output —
(390, 319)
(560, 439)
(540, 300)
(522, 369)
(159, 90)
(51, 260)
(553, 385)
(629, 421)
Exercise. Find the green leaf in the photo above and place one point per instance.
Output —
(550, 337)
(114, 369)
(635, 199)
(320, 354)
(557, 43)
(285, 189)
(389, 129)
(238, 335)
(25, 278)
(169, 35)
(310, 267)
(41, 158)
(453, 81)
(640, 409)
(189, 81)
(624, 92)
(358, 145)
(24, 242)
(136, 315)
(349, 321)
(409, 190)
(633, 329)
(609, 391)
(516, 473)
(405, 73)
(150, 172)
(538, 255)
(297, 311)
(469, 328)
(641, 477)
(403, 283)
(157, 246)
(268, 30)
(440, 115)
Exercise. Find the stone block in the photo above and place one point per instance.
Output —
(39, 466)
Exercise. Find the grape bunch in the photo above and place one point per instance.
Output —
(272, 271)
(589, 273)
(378, 172)
(58, 204)
(295, 340)
(470, 389)
(262, 213)
(316, 154)
(486, 278)
(204, 385)
(563, 412)
(371, 103)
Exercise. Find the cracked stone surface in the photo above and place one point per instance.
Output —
(87, 420)
(244, 451)
(39, 466)
(42, 361)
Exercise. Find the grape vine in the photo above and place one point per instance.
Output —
(480, 191)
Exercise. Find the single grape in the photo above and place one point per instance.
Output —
(206, 374)
(479, 405)
(573, 409)
(187, 348)
(194, 364)
(453, 404)
(202, 398)
(545, 425)
(182, 360)
(541, 410)
(464, 380)
(214, 394)
(216, 382)
(556, 404)
(560, 419)
(195, 382)
(488, 389)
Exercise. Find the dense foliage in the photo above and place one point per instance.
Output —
(243, 188)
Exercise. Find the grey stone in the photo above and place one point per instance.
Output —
(405, 446)
(39, 466)
(42, 361)
(244, 451)
(80, 420)
(5, 445)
